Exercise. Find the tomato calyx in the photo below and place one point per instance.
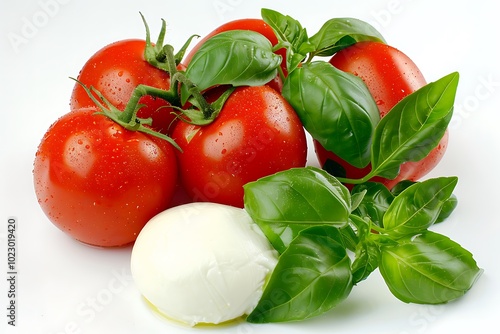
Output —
(163, 57)
(205, 112)
(128, 117)
(158, 54)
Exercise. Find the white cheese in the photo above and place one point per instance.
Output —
(202, 263)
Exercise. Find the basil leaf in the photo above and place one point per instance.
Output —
(413, 127)
(366, 260)
(401, 186)
(339, 33)
(336, 108)
(312, 276)
(446, 210)
(285, 203)
(428, 269)
(375, 203)
(291, 35)
(350, 238)
(418, 206)
(357, 198)
(236, 57)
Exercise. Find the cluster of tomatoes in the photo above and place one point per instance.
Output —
(100, 181)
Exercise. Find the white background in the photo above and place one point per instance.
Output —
(66, 287)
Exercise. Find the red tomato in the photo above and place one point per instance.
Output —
(100, 183)
(257, 133)
(390, 76)
(257, 25)
(115, 71)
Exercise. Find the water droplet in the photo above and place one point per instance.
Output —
(120, 73)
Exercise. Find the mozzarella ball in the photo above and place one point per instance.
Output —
(202, 263)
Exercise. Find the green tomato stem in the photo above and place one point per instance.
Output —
(163, 57)
(197, 97)
(128, 119)
(129, 114)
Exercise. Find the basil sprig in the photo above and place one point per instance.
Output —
(335, 35)
(313, 221)
(291, 36)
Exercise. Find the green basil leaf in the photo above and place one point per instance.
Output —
(339, 33)
(414, 126)
(312, 276)
(350, 238)
(375, 203)
(236, 57)
(291, 35)
(401, 186)
(285, 203)
(366, 260)
(428, 269)
(418, 206)
(357, 198)
(446, 210)
(336, 108)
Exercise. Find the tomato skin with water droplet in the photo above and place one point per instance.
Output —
(115, 71)
(99, 182)
(257, 133)
(390, 76)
